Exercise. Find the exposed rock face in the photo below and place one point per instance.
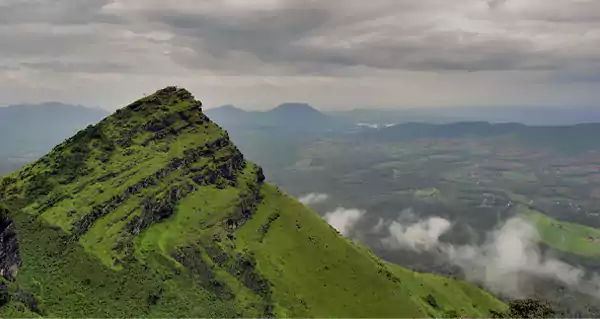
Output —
(10, 258)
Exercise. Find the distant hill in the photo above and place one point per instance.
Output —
(300, 117)
(567, 138)
(542, 116)
(229, 115)
(298, 110)
(391, 116)
(154, 212)
(287, 117)
(28, 131)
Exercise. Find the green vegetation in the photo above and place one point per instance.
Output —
(338, 268)
(526, 308)
(564, 236)
(154, 212)
(444, 296)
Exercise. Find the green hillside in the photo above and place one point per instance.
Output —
(564, 236)
(153, 212)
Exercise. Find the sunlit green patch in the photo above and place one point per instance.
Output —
(564, 236)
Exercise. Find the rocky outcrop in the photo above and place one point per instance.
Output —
(10, 257)
(205, 273)
(183, 164)
(158, 208)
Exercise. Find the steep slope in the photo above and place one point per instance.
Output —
(154, 212)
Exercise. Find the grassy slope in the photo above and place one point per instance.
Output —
(361, 283)
(564, 236)
(154, 212)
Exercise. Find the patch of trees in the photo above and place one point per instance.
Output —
(526, 308)
(70, 158)
(9, 292)
(39, 185)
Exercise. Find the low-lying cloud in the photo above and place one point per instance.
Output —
(343, 219)
(313, 198)
(374, 126)
(506, 263)
(419, 236)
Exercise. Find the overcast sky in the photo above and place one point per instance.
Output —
(330, 53)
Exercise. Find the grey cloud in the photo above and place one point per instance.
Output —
(55, 12)
(495, 3)
(310, 36)
(291, 37)
(428, 44)
(86, 67)
(19, 42)
(265, 37)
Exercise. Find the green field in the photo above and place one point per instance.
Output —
(564, 236)
(426, 193)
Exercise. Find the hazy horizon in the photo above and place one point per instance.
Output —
(327, 109)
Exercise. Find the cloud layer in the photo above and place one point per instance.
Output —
(420, 236)
(396, 51)
(507, 263)
(342, 219)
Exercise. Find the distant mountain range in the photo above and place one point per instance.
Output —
(28, 131)
(568, 138)
(228, 115)
(524, 115)
(302, 116)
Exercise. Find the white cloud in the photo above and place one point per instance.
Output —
(344, 219)
(506, 263)
(313, 198)
(379, 226)
(420, 236)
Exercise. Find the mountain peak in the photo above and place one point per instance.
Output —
(151, 154)
(229, 107)
(227, 110)
(167, 96)
(295, 106)
(299, 116)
